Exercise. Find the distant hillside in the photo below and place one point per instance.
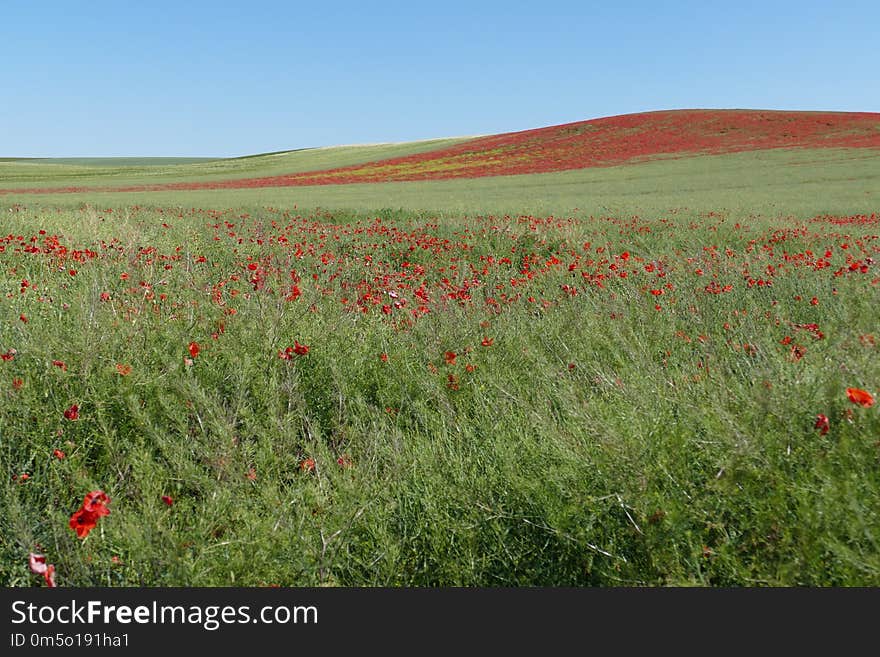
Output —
(596, 143)
(603, 142)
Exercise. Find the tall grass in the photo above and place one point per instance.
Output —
(595, 440)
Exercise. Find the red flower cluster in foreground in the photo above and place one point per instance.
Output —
(85, 519)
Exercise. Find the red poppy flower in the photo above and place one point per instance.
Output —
(58, 454)
(96, 502)
(37, 563)
(797, 352)
(123, 370)
(822, 424)
(307, 465)
(300, 349)
(488, 342)
(860, 397)
(17, 383)
(85, 519)
(61, 364)
(168, 500)
(449, 356)
(194, 349)
(83, 522)
(72, 413)
(49, 576)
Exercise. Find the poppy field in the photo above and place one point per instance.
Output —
(276, 396)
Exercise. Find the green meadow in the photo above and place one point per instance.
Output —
(601, 377)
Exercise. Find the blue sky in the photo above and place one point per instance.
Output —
(182, 78)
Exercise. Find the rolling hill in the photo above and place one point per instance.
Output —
(604, 142)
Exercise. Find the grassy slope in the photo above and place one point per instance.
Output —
(62, 173)
(777, 182)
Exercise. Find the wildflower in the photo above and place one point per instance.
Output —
(72, 413)
(194, 349)
(860, 397)
(58, 454)
(307, 465)
(60, 364)
(300, 349)
(37, 563)
(168, 500)
(449, 356)
(822, 424)
(49, 576)
(488, 342)
(123, 370)
(85, 519)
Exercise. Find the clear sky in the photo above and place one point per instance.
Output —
(158, 78)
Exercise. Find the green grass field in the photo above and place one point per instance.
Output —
(607, 376)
